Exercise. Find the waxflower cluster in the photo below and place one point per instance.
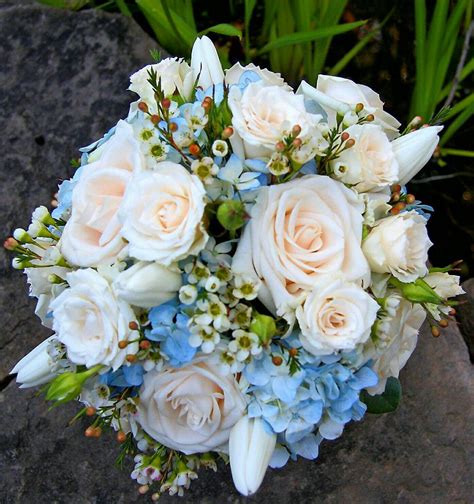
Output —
(235, 270)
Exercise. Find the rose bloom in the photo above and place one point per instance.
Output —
(399, 245)
(335, 316)
(260, 116)
(348, 92)
(162, 214)
(90, 321)
(298, 231)
(175, 75)
(191, 409)
(253, 73)
(444, 284)
(399, 343)
(370, 164)
(92, 235)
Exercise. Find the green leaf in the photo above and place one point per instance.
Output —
(263, 326)
(386, 402)
(65, 4)
(301, 37)
(223, 29)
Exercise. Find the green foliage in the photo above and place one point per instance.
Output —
(231, 214)
(264, 327)
(386, 402)
(440, 66)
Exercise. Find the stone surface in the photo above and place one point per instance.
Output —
(63, 80)
(465, 315)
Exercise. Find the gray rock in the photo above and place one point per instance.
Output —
(465, 315)
(64, 79)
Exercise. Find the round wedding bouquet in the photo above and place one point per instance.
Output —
(235, 270)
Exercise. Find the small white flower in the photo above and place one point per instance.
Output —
(240, 316)
(195, 116)
(220, 148)
(246, 287)
(212, 284)
(226, 295)
(205, 337)
(188, 294)
(205, 169)
(279, 164)
(155, 151)
(244, 344)
(227, 361)
(213, 311)
(197, 273)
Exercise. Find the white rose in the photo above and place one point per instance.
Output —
(399, 245)
(92, 235)
(147, 284)
(298, 231)
(191, 409)
(339, 95)
(260, 116)
(162, 214)
(371, 163)
(444, 284)
(174, 74)
(207, 68)
(336, 315)
(401, 336)
(414, 150)
(90, 321)
(233, 75)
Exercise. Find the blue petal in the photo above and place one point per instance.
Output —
(308, 447)
(248, 77)
(280, 457)
(133, 375)
(312, 412)
(364, 378)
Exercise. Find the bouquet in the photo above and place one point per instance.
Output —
(235, 271)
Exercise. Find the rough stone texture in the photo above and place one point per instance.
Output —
(63, 78)
(465, 315)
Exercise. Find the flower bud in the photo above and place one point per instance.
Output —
(264, 327)
(227, 132)
(68, 386)
(10, 243)
(231, 214)
(205, 63)
(34, 369)
(22, 236)
(250, 451)
(143, 107)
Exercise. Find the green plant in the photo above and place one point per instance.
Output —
(439, 44)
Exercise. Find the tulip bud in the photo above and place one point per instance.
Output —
(205, 63)
(147, 284)
(250, 450)
(34, 369)
(414, 150)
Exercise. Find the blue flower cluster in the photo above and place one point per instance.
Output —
(322, 394)
(170, 327)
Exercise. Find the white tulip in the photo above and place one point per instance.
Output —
(147, 284)
(414, 150)
(35, 369)
(250, 450)
(205, 63)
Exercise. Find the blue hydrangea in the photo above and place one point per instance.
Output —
(170, 328)
(313, 404)
(125, 376)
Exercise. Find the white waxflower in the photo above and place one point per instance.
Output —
(226, 295)
(244, 344)
(195, 116)
(279, 164)
(240, 316)
(213, 311)
(197, 273)
(227, 361)
(246, 287)
(188, 294)
(205, 169)
(222, 272)
(220, 148)
(205, 337)
(154, 151)
(212, 284)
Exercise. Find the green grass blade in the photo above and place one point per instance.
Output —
(420, 42)
(123, 8)
(466, 71)
(456, 124)
(457, 152)
(460, 106)
(300, 37)
(223, 29)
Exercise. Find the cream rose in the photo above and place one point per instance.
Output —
(233, 75)
(260, 116)
(174, 74)
(336, 315)
(162, 214)
(399, 245)
(340, 96)
(191, 409)
(92, 235)
(90, 321)
(297, 232)
(400, 338)
(370, 165)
